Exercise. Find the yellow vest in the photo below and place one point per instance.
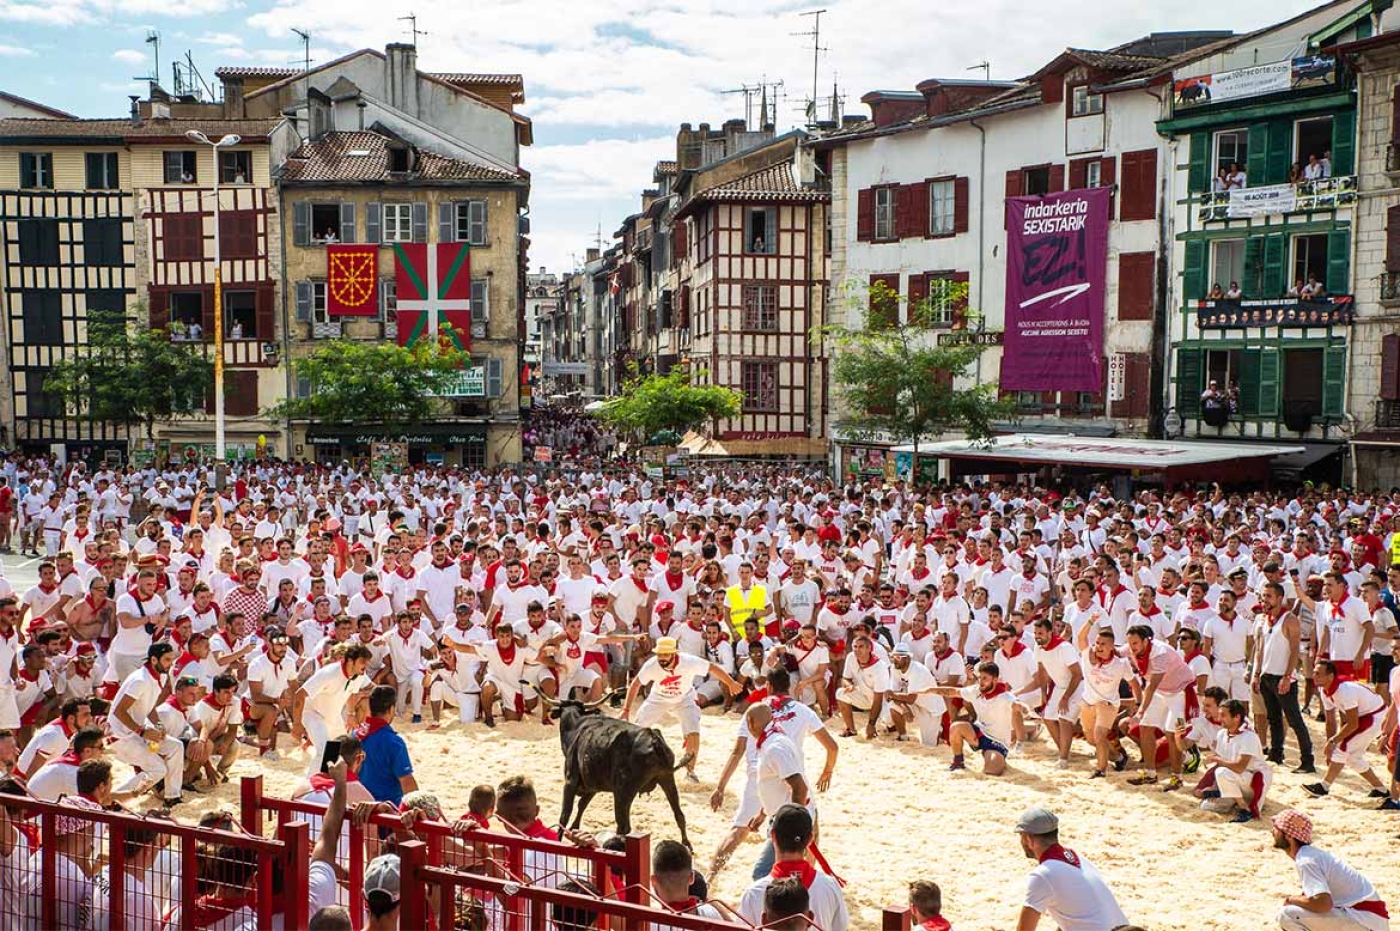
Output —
(741, 606)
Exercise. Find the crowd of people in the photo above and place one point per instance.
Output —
(182, 622)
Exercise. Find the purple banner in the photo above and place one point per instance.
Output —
(1056, 259)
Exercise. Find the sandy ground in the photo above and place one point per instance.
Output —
(895, 813)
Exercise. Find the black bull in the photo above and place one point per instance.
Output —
(605, 754)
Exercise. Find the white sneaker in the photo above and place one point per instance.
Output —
(272, 756)
(1219, 806)
(1063, 764)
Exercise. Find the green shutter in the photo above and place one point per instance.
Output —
(1249, 382)
(1273, 284)
(1268, 383)
(1193, 276)
(1280, 152)
(1188, 382)
(1254, 164)
(1198, 178)
(1339, 262)
(1334, 379)
(1343, 143)
(1253, 283)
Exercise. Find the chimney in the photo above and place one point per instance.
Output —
(402, 64)
(233, 98)
(319, 113)
(360, 105)
(590, 255)
(135, 110)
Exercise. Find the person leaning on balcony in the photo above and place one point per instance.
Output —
(1237, 177)
(1314, 170)
(1216, 293)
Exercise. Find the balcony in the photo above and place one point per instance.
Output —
(1387, 415)
(1271, 199)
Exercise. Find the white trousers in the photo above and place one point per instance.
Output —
(318, 732)
(166, 762)
(411, 691)
(466, 703)
(1293, 918)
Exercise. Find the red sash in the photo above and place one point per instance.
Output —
(1374, 906)
(1363, 724)
(321, 782)
(936, 923)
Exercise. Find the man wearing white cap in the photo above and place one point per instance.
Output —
(382, 895)
(912, 696)
(1335, 896)
(672, 676)
(1064, 885)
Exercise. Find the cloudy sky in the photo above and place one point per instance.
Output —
(607, 83)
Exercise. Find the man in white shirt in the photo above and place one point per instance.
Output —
(912, 696)
(672, 676)
(791, 834)
(865, 681)
(1354, 715)
(139, 742)
(270, 676)
(409, 651)
(1064, 885)
(1057, 672)
(141, 614)
(1335, 896)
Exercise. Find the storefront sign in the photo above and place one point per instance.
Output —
(1241, 203)
(1257, 81)
(468, 383)
(426, 435)
(1057, 260)
(1332, 311)
(970, 338)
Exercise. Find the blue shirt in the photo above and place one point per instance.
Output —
(386, 762)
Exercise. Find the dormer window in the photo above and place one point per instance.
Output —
(398, 160)
(1084, 103)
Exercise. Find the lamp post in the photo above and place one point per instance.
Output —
(195, 135)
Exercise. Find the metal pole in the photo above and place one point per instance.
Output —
(219, 451)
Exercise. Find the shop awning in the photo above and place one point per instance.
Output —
(1118, 453)
(801, 446)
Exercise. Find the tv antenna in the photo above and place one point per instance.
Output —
(412, 20)
(153, 40)
(305, 48)
(759, 90)
(985, 67)
(816, 33)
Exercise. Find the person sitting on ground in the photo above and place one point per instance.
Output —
(1335, 896)
(1240, 774)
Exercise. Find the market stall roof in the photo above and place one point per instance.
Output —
(1099, 452)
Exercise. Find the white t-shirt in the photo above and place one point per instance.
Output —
(275, 678)
(778, 760)
(1319, 872)
(1075, 897)
(144, 690)
(675, 685)
(825, 898)
(134, 641)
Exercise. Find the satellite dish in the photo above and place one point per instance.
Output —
(1172, 424)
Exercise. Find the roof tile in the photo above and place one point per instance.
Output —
(776, 182)
(364, 156)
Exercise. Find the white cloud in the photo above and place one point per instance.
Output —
(596, 169)
(220, 38)
(60, 13)
(130, 56)
(15, 51)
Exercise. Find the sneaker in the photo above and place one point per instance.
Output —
(1315, 789)
(1305, 768)
(417, 719)
(1097, 774)
(1121, 763)
(1172, 784)
(1063, 764)
(1218, 806)
(1378, 793)
(1143, 779)
(1243, 816)
(956, 765)
(172, 802)
(489, 721)
(1389, 804)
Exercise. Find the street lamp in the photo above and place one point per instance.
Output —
(195, 135)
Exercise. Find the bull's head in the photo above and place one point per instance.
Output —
(558, 706)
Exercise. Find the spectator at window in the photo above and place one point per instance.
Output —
(1237, 177)
(1295, 173)
(329, 236)
(1234, 293)
(1221, 182)
(237, 331)
(1327, 164)
(1213, 398)
(195, 332)
(1296, 290)
(1215, 292)
(1314, 170)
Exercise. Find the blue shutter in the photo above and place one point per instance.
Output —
(420, 221)
(447, 222)
(1199, 173)
(1343, 143)
(1339, 262)
(1280, 158)
(1193, 275)
(1268, 384)
(303, 301)
(1257, 157)
(1249, 382)
(494, 379)
(1334, 378)
(1274, 282)
(1188, 381)
(347, 222)
(476, 222)
(301, 224)
(372, 233)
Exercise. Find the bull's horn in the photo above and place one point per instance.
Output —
(599, 703)
(542, 696)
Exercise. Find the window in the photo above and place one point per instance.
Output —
(1231, 149)
(1028, 400)
(480, 308)
(1227, 264)
(325, 222)
(1310, 258)
(471, 222)
(398, 223)
(102, 242)
(944, 297)
(761, 307)
(759, 383)
(473, 456)
(43, 317)
(106, 307)
(187, 315)
(884, 212)
(1312, 147)
(101, 170)
(235, 167)
(1222, 368)
(1037, 180)
(38, 401)
(180, 167)
(761, 230)
(241, 315)
(36, 170)
(318, 303)
(184, 237)
(238, 234)
(1302, 381)
(38, 242)
(398, 159)
(941, 209)
(389, 300)
(1085, 103)
(1093, 174)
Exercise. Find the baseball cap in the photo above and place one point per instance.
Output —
(1037, 821)
(382, 876)
(463, 607)
(901, 649)
(666, 645)
(665, 605)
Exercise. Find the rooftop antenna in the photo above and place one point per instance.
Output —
(748, 93)
(985, 67)
(816, 33)
(305, 49)
(412, 21)
(153, 40)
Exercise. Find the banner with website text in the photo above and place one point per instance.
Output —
(1056, 262)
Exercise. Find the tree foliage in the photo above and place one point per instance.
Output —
(373, 382)
(672, 403)
(895, 380)
(132, 375)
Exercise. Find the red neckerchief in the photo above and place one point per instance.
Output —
(873, 660)
(768, 731)
(539, 831)
(573, 650)
(405, 575)
(480, 821)
(684, 905)
(1001, 688)
(507, 658)
(371, 727)
(928, 632)
(1142, 662)
(1198, 605)
(47, 589)
(27, 676)
(174, 702)
(442, 565)
(1153, 611)
(941, 657)
(374, 599)
(936, 923)
(65, 575)
(69, 758)
(1336, 608)
(641, 584)
(323, 782)
(209, 700)
(185, 659)
(666, 630)
(92, 604)
(1028, 575)
(1063, 854)
(1055, 640)
(597, 624)
(1272, 619)
(1192, 655)
(799, 868)
(1018, 647)
(209, 910)
(674, 582)
(1336, 683)
(1118, 589)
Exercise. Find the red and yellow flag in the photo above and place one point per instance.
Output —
(352, 280)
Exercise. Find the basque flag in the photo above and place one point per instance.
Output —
(434, 292)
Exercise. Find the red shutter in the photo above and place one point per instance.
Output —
(263, 319)
(1048, 400)
(1079, 173)
(1057, 178)
(241, 392)
(1395, 115)
(678, 239)
(1390, 367)
(1139, 185)
(1052, 88)
(918, 208)
(1392, 239)
(206, 306)
(1108, 177)
(918, 293)
(959, 205)
(1015, 182)
(159, 304)
(904, 210)
(865, 215)
(960, 305)
(1137, 274)
(885, 313)
(684, 322)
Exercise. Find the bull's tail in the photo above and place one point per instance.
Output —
(684, 761)
(665, 750)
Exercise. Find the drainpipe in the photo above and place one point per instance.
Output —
(286, 322)
(1159, 346)
(981, 240)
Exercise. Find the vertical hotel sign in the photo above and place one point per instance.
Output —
(1057, 259)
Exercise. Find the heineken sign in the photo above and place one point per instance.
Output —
(468, 383)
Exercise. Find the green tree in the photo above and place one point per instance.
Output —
(652, 405)
(132, 375)
(895, 380)
(373, 382)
